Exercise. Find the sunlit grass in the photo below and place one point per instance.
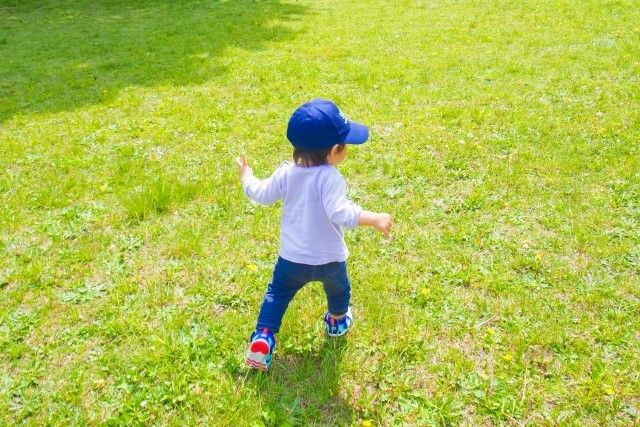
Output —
(504, 141)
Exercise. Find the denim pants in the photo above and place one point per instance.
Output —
(289, 277)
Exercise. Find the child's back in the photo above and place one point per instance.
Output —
(314, 210)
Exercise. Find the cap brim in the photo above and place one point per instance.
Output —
(358, 134)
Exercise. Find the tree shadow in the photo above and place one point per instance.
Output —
(303, 388)
(60, 55)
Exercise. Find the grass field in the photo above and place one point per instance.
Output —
(504, 141)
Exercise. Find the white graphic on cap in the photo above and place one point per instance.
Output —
(343, 117)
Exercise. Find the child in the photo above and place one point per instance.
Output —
(315, 209)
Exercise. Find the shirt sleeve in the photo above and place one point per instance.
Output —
(338, 208)
(266, 191)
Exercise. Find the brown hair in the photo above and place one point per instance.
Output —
(309, 158)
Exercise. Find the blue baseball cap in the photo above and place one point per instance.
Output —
(319, 124)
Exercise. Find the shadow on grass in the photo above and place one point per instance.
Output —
(60, 55)
(303, 388)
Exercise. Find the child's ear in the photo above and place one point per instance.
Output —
(335, 149)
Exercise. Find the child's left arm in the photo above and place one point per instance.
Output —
(266, 191)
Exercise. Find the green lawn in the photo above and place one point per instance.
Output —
(504, 141)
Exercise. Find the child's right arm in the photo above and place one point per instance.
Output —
(342, 211)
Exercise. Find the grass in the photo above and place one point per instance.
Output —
(504, 142)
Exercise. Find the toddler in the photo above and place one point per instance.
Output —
(314, 211)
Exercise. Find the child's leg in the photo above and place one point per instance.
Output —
(288, 278)
(337, 287)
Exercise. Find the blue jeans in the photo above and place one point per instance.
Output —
(289, 277)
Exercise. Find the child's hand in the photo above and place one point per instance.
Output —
(383, 223)
(380, 221)
(243, 166)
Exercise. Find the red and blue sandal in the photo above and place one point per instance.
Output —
(261, 349)
(338, 327)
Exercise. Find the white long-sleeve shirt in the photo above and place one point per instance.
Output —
(315, 208)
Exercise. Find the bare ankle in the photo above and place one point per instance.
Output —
(337, 316)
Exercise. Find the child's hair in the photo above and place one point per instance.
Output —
(309, 158)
